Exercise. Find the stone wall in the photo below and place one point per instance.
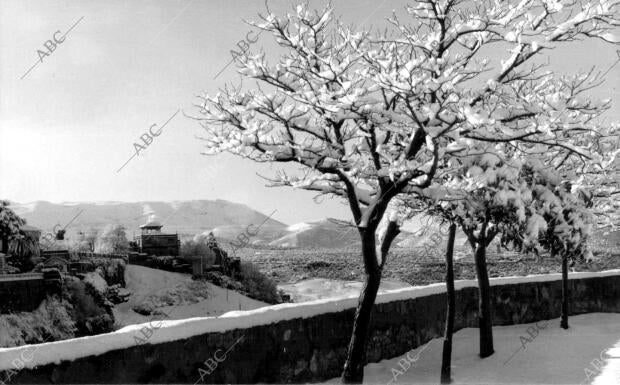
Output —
(313, 349)
(25, 292)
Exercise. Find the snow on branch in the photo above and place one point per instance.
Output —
(372, 116)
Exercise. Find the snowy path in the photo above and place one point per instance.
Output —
(587, 353)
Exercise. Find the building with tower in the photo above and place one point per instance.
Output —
(153, 241)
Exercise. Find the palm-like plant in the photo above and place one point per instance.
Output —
(23, 245)
(15, 241)
(10, 224)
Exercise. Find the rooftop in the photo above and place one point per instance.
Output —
(152, 222)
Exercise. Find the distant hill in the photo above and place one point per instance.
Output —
(184, 217)
(326, 234)
(227, 220)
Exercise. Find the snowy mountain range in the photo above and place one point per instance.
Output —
(227, 220)
(183, 217)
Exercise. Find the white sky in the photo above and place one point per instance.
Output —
(67, 127)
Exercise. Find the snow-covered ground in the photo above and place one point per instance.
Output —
(587, 353)
(319, 288)
(144, 282)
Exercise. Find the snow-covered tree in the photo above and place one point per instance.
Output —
(486, 198)
(84, 241)
(569, 224)
(444, 215)
(112, 240)
(599, 184)
(21, 245)
(575, 198)
(372, 117)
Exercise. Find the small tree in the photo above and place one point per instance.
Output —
(112, 240)
(568, 225)
(558, 220)
(568, 236)
(435, 212)
(201, 246)
(578, 195)
(194, 247)
(490, 194)
(23, 247)
(491, 198)
(85, 241)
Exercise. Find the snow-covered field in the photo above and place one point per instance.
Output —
(587, 353)
(319, 288)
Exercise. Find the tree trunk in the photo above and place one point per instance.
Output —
(356, 356)
(353, 372)
(565, 293)
(484, 302)
(446, 360)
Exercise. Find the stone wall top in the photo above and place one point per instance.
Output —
(173, 330)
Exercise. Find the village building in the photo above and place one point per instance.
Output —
(47, 254)
(56, 262)
(80, 267)
(152, 241)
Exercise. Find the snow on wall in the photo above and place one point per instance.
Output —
(171, 330)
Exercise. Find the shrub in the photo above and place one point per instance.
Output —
(111, 269)
(80, 310)
(51, 321)
(214, 277)
(231, 284)
(165, 262)
(315, 265)
(168, 263)
(194, 247)
(143, 309)
(224, 281)
(257, 285)
(90, 309)
(83, 303)
(102, 323)
(249, 281)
